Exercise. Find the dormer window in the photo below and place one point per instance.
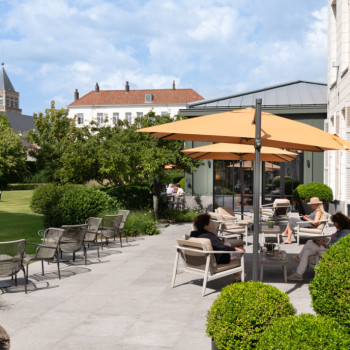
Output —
(148, 98)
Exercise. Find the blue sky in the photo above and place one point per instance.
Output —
(217, 47)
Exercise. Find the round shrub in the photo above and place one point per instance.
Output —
(289, 184)
(305, 331)
(43, 196)
(69, 204)
(330, 288)
(313, 189)
(242, 311)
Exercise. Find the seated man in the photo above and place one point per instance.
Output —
(202, 224)
(341, 223)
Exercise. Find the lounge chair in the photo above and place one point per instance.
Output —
(47, 251)
(93, 230)
(308, 232)
(11, 258)
(110, 227)
(279, 210)
(198, 258)
(72, 239)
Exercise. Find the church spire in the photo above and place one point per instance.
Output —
(5, 82)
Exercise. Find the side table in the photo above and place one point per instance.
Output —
(266, 230)
(276, 258)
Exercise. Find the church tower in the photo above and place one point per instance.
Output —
(9, 98)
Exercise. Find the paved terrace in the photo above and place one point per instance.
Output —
(124, 301)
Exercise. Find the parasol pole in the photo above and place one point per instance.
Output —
(241, 180)
(256, 192)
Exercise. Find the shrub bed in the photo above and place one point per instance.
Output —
(175, 215)
(69, 204)
(305, 331)
(131, 196)
(141, 222)
(242, 312)
(313, 189)
(330, 288)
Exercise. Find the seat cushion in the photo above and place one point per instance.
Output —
(234, 262)
(310, 230)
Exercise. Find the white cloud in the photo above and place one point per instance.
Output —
(214, 46)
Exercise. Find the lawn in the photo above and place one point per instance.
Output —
(17, 219)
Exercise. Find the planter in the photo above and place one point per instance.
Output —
(213, 346)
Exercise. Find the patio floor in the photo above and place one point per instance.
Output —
(124, 301)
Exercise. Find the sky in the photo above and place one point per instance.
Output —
(216, 47)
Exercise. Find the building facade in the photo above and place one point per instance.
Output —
(9, 105)
(337, 163)
(216, 182)
(109, 106)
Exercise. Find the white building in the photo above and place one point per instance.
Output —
(337, 163)
(107, 106)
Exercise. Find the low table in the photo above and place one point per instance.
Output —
(275, 231)
(276, 258)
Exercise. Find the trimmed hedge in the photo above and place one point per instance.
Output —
(330, 288)
(290, 184)
(22, 186)
(69, 204)
(313, 189)
(132, 196)
(243, 311)
(305, 331)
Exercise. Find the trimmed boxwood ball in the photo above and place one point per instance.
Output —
(305, 331)
(330, 288)
(242, 311)
(313, 189)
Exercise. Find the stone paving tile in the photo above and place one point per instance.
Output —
(124, 300)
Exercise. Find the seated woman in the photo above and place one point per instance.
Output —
(202, 224)
(341, 223)
(316, 215)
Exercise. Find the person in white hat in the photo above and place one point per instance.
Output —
(341, 223)
(316, 215)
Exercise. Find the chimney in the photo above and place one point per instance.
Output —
(97, 88)
(76, 95)
(173, 84)
(127, 88)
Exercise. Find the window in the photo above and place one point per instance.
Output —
(80, 118)
(99, 118)
(128, 117)
(1, 101)
(16, 102)
(7, 101)
(139, 114)
(11, 101)
(115, 118)
(164, 113)
(148, 97)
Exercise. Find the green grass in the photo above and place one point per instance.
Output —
(17, 220)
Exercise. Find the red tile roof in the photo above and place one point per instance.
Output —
(121, 97)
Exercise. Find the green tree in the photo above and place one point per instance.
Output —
(54, 133)
(12, 155)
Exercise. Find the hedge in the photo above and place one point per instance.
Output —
(242, 311)
(313, 189)
(330, 288)
(305, 331)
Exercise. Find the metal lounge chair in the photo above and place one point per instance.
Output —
(47, 251)
(198, 258)
(110, 227)
(93, 230)
(122, 228)
(72, 239)
(11, 258)
(309, 232)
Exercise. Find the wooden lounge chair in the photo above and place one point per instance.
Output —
(309, 232)
(279, 210)
(198, 258)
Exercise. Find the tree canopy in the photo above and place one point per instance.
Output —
(104, 152)
(12, 155)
